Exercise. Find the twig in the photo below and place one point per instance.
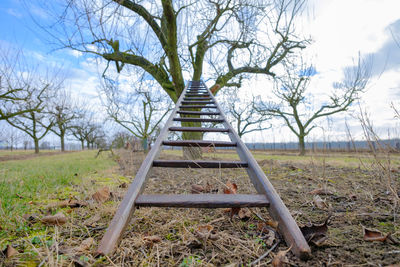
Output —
(265, 254)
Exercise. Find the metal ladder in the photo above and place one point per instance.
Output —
(197, 96)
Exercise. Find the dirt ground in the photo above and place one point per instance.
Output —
(353, 199)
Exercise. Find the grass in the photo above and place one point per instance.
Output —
(22, 152)
(26, 182)
(359, 199)
(335, 159)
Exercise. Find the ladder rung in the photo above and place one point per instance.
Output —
(196, 98)
(199, 164)
(197, 106)
(201, 143)
(197, 102)
(202, 201)
(198, 129)
(198, 119)
(188, 94)
(197, 112)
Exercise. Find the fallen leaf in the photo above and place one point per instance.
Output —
(102, 195)
(230, 188)
(86, 244)
(353, 197)
(269, 238)
(197, 189)
(57, 219)
(30, 217)
(321, 192)
(316, 233)
(204, 232)
(151, 240)
(374, 235)
(11, 251)
(123, 185)
(280, 258)
(262, 226)
(319, 203)
(72, 203)
(244, 214)
(19, 196)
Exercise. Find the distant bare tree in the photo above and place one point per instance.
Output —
(241, 113)
(294, 108)
(140, 112)
(11, 137)
(83, 126)
(37, 122)
(63, 112)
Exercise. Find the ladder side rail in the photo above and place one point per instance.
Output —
(278, 210)
(127, 206)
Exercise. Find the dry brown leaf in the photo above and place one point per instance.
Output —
(280, 259)
(319, 203)
(57, 219)
(269, 238)
(197, 189)
(86, 244)
(123, 185)
(72, 203)
(11, 251)
(244, 214)
(151, 240)
(262, 226)
(204, 232)
(230, 188)
(321, 191)
(30, 217)
(102, 195)
(374, 235)
(316, 233)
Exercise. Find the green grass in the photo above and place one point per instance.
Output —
(22, 181)
(22, 152)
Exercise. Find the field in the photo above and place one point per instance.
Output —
(355, 196)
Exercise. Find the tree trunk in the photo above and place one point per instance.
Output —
(62, 142)
(192, 153)
(36, 142)
(88, 145)
(83, 144)
(302, 147)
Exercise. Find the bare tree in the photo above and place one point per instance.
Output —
(63, 112)
(294, 107)
(140, 112)
(16, 75)
(37, 122)
(241, 115)
(169, 39)
(11, 137)
(83, 126)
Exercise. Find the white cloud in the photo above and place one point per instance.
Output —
(13, 12)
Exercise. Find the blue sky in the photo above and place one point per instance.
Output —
(340, 29)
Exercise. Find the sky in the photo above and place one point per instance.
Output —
(340, 29)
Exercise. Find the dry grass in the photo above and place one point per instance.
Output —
(170, 237)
